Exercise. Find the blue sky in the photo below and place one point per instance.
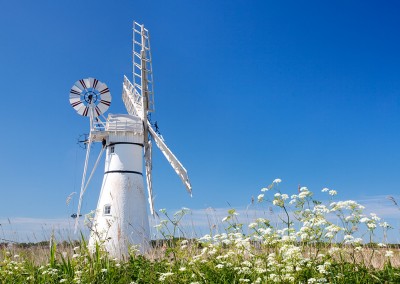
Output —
(245, 92)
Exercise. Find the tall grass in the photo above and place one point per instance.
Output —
(314, 242)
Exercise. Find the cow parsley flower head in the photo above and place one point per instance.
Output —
(253, 225)
(163, 276)
(277, 180)
(332, 192)
(389, 253)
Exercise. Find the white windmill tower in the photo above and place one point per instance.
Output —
(121, 216)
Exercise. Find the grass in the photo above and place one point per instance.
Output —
(313, 243)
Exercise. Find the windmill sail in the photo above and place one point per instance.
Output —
(176, 165)
(148, 166)
(133, 105)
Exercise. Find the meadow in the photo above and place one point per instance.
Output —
(313, 242)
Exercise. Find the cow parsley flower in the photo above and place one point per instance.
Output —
(332, 192)
(389, 254)
(252, 225)
(163, 276)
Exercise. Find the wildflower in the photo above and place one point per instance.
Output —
(63, 280)
(75, 255)
(264, 189)
(324, 190)
(117, 265)
(163, 210)
(374, 217)
(384, 225)
(104, 270)
(381, 245)
(205, 238)
(304, 192)
(219, 266)
(158, 227)
(182, 268)
(358, 240)
(332, 192)
(278, 202)
(252, 225)
(277, 180)
(389, 253)
(260, 197)
(163, 276)
(246, 263)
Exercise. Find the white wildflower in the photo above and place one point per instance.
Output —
(375, 217)
(252, 225)
(260, 197)
(163, 276)
(332, 192)
(277, 180)
(324, 190)
(246, 263)
(389, 253)
(384, 225)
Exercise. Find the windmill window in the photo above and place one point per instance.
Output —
(112, 149)
(107, 209)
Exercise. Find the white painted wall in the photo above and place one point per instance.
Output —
(125, 193)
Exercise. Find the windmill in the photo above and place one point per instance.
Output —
(121, 215)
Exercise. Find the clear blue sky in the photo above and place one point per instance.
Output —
(245, 92)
